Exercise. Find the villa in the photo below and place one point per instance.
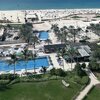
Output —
(32, 18)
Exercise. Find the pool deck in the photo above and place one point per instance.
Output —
(54, 60)
(53, 56)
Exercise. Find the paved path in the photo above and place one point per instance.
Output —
(54, 60)
(93, 81)
(6, 45)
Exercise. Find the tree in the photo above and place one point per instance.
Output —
(55, 28)
(26, 32)
(9, 26)
(71, 53)
(35, 40)
(95, 28)
(52, 71)
(13, 61)
(96, 54)
(60, 72)
(33, 58)
(83, 65)
(62, 34)
(74, 31)
(4, 34)
(44, 69)
(94, 66)
(25, 57)
(78, 70)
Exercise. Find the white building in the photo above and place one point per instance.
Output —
(33, 18)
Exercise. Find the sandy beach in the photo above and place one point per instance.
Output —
(14, 15)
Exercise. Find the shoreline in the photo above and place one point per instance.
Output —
(49, 9)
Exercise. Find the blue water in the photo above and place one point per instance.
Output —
(47, 4)
(39, 62)
(43, 36)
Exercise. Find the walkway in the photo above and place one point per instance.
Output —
(54, 60)
(6, 45)
(93, 81)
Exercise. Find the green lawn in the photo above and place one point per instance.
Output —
(94, 94)
(50, 90)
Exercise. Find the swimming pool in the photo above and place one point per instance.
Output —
(43, 36)
(39, 62)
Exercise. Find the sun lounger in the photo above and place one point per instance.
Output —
(65, 84)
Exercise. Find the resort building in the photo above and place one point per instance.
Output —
(32, 18)
(79, 52)
(53, 48)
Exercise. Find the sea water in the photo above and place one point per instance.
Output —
(47, 4)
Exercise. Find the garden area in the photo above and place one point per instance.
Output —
(47, 86)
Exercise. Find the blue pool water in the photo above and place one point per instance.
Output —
(39, 62)
(48, 4)
(43, 36)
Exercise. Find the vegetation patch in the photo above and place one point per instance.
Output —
(76, 17)
(98, 16)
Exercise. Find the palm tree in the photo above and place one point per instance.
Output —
(62, 34)
(44, 69)
(4, 34)
(74, 31)
(71, 53)
(56, 30)
(33, 58)
(95, 28)
(25, 57)
(13, 61)
(26, 32)
(35, 40)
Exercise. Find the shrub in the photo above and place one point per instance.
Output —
(84, 80)
(15, 81)
(52, 71)
(82, 41)
(58, 72)
(83, 65)
(8, 76)
(4, 82)
(94, 66)
(78, 70)
(77, 79)
(37, 76)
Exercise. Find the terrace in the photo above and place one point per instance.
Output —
(81, 53)
(53, 48)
